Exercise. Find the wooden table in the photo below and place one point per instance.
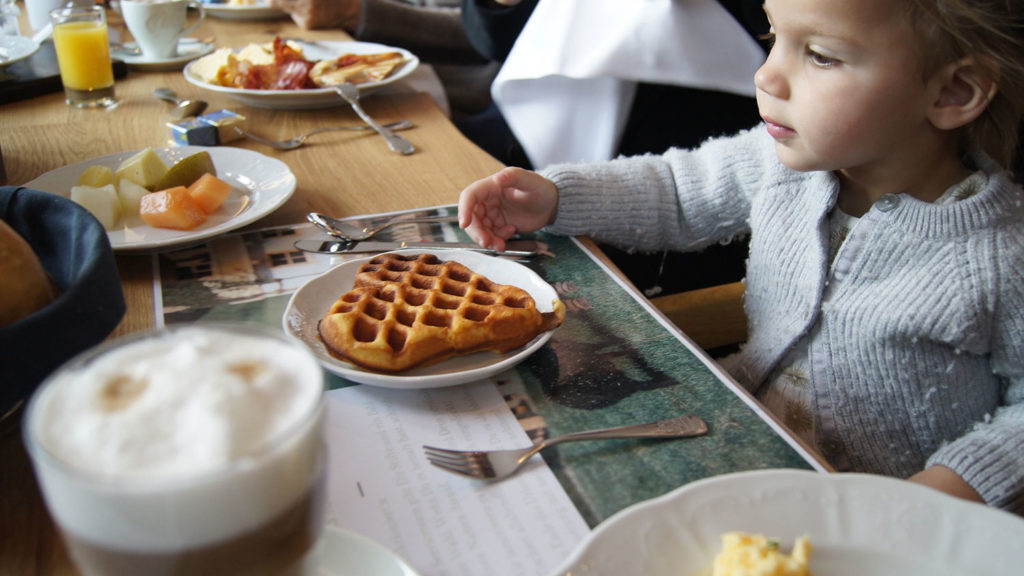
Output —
(340, 173)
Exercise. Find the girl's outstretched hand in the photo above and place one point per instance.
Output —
(509, 202)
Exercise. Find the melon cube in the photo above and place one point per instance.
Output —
(96, 175)
(172, 208)
(145, 168)
(101, 201)
(130, 195)
(209, 192)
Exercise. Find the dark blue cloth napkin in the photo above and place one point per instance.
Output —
(73, 247)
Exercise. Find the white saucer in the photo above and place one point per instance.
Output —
(188, 49)
(14, 48)
(345, 553)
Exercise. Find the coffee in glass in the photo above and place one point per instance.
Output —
(196, 450)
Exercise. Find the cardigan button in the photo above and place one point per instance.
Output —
(888, 202)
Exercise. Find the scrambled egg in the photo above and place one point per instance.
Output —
(209, 68)
(754, 555)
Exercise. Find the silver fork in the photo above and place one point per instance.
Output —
(293, 143)
(497, 464)
(349, 231)
(350, 93)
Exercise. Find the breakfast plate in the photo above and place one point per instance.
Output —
(257, 11)
(313, 300)
(313, 97)
(15, 48)
(188, 49)
(857, 524)
(260, 185)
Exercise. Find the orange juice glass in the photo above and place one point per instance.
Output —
(83, 55)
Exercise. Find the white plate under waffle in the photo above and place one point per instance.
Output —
(312, 301)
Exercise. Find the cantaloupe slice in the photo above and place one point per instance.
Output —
(209, 192)
(172, 208)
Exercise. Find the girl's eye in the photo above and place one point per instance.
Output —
(768, 38)
(820, 60)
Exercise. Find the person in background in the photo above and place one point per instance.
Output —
(885, 277)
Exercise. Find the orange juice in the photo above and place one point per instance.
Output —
(83, 54)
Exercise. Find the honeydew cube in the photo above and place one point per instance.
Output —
(96, 175)
(101, 201)
(145, 168)
(130, 194)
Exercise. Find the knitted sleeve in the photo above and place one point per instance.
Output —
(681, 200)
(990, 456)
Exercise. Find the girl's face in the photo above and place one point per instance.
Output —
(843, 86)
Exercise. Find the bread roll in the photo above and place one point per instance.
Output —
(26, 287)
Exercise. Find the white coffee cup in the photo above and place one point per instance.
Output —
(39, 11)
(157, 25)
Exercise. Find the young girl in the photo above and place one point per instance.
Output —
(885, 283)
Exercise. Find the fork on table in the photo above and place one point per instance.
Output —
(497, 464)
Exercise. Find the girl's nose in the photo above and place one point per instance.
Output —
(770, 80)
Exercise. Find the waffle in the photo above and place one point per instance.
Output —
(406, 311)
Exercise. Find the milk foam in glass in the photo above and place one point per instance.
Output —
(196, 450)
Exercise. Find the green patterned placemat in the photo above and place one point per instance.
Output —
(611, 363)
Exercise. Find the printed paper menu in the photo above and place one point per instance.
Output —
(382, 486)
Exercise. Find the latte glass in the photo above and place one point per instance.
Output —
(194, 450)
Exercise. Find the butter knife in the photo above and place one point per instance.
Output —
(334, 246)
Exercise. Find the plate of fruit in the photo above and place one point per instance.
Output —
(160, 198)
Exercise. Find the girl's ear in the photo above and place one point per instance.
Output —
(963, 90)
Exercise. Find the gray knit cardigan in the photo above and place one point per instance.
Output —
(916, 330)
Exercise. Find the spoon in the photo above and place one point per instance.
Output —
(182, 108)
(350, 232)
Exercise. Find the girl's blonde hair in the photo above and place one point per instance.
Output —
(992, 31)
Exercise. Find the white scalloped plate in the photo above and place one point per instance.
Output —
(857, 523)
(312, 301)
(261, 185)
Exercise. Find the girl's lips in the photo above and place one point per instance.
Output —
(778, 131)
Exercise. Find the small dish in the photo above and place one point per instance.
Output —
(258, 11)
(188, 49)
(261, 185)
(344, 553)
(312, 301)
(15, 48)
(312, 98)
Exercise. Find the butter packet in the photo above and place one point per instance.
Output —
(224, 121)
(193, 132)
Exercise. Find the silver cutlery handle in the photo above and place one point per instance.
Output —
(395, 142)
(680, 427)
